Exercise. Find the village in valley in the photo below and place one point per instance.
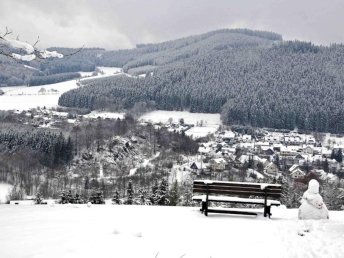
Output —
(224, 153)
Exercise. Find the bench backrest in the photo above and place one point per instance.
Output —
(237, 188)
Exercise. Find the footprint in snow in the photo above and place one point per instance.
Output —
(115, 232)
(139, 234)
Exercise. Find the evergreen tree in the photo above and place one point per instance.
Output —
(162, 195)
(154, 193)
(174, 195)
(38, 198)
(97, 197)
(116, 199)
(325, 166)
(339, 156)
(130, 194)
(142, 196)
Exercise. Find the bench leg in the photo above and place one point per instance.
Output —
(267, 211)
(203, 207)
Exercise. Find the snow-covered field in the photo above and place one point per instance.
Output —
(147, 231)
(198, 132)
(331, 140)
(4, 190)
(24, 98)
(189, 118)
(204, 123)
(111, 115)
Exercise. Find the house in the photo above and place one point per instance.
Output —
(288, 152)
(299, 159)
(194, 167)
(311, 140)
(247, 138)
(246, 145)
(308, 149)
(218, 164)
(297, 173)
(267, 152)
(292, 140)
(273, 138)
(271, 169)
(293, 167)
(228, 136)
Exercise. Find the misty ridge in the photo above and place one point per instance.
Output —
(250, 77)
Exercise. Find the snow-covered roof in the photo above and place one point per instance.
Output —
(204, 150)
(293, 167)
(219, 160)
(297, 171)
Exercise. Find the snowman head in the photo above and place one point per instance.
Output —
(313, 186)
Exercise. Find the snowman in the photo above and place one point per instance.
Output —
(312, 205)
(312, 208)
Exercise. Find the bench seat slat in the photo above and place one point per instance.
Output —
(258, 185)
(223, 192)
(197, 188)
(235, 200)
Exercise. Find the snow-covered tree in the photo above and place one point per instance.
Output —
(154, 193)
(97, 197)
(143, 196)
(130, 193)
(162, 194)
(24, 51)
(115, 199)
(38, 198)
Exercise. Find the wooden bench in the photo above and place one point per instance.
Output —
(236, 192)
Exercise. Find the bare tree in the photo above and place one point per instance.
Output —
(24, 51)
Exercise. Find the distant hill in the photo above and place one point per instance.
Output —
(14, 73)
(144, 58)
(252, 78)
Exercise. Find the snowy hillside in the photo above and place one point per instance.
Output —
(24, 98)
(150, 231)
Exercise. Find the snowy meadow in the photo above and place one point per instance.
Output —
(24, 98)
(152, 231)
(205, 123)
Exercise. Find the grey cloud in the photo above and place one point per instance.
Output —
(124, 23)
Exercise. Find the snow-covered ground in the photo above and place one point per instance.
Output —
(4, 190)
(109, 70)
(144, 164)
(204, 123)
(198, 132)
(24, 98)
(148, 231)
(111, 115)
(332, 140)
(189, 118)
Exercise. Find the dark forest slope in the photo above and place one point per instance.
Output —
(252, 80)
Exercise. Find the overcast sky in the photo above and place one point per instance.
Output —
(115, 24)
